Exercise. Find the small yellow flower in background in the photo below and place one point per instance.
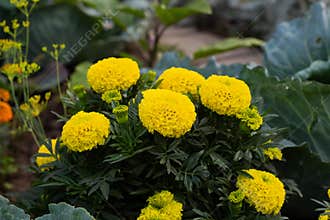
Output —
(328, 193)
(46, 159)
(14, 24)
(6, 113)
(113, 74)
(85, 131)
(162, 206)
(111, 95)
(20, 3)
(273, 153)
(225, 95)
(181, 80)
(323, 217)
(264, 191)
(121, 113)
(170, 113)
(4, 95)
(6, 45)
(34, 105)
(11, 70)
(26, 24)
(236, 196)
(251, 117)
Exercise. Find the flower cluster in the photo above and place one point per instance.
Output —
(273, 153)
(225, 95)
(113, 74)
(13, 70)
(40, 161)
(35, 106)
(84, 131)
(251, 117)
(6, 45)
(170, 113)
(264, 191)
(162, 206)
(181, 80)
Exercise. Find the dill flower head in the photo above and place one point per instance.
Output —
(35, 106)
(264, 191)
(236, 196)
(113, 74)
(181, 80)
(162, 206)
(251, 117)
(273, 153)
(4, 95)
(169, 113)
(11, 70)
(6, 45)
(6, 113)
(84, 131)
(225, 95)
(46, 160)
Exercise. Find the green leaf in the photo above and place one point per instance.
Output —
(169, 16)
(79, 76)
(11, 212)
(303, 107)
(65, 211)
(227, 45)
(57, 24)
(105, 189)
(301, 47)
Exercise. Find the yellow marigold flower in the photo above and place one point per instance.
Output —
(162, 206)
(273, 153)
(225, 95)
(113, 74)
(151, 213)
(236, 196)
(251, 117)
(84, 131)
(46, 160)
(111, 95)
(181, 80)
(173, 210)
(323, 217)
(264, 191)
(161, 199)
(4, 95)
(170, 113)
(6, 113)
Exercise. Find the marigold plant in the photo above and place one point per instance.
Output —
(43, 160)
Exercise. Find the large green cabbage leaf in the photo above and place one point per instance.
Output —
(301, 47)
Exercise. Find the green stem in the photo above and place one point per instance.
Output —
(59, 85)
(27, 37)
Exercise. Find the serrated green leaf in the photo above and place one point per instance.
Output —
(11, 212)
(65, 211)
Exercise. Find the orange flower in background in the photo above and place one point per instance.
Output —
(4, 95)
(6, 114)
